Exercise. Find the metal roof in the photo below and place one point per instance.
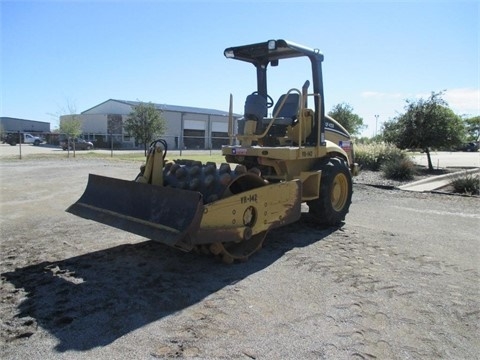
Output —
(5, 118)
(263, 53)
(168, 107)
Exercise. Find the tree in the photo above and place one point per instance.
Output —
(472, 126)
(71, 126)
(70, 123)
(145, 123)
(343, 113)
(2, 132)
(425, 124)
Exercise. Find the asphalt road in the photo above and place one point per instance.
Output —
(398, 281)
(26, 149)
(442, 159)
(439, 159)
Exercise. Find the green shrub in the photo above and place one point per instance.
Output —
(469, 184)
(372, 156)
(399, 168)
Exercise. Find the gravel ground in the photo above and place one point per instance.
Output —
(376, 178)
(398, 281)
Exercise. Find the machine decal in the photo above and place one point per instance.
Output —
(345, 145)
(240, 151)
(249, 199)
(307, 154)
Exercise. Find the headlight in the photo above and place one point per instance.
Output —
(229, 53)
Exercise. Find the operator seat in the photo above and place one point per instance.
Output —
(255, 107)
(289, 110)
(287, 114)
(254, 111)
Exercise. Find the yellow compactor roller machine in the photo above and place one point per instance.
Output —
(277, 159)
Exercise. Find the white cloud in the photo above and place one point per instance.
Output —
(461, 100)
(464, 100)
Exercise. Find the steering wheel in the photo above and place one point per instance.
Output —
(269, 99)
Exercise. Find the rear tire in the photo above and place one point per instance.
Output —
(335, 193)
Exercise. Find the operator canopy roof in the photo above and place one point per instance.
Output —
(271, 51)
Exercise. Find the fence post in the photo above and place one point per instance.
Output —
(181, 132)
(20, 144)
(111, 144)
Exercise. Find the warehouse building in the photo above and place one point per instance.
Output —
(187, 127)
(9, 124)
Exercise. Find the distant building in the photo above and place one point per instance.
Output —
(9, 124)
(187, 127)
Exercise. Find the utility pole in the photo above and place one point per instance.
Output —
(376, 124)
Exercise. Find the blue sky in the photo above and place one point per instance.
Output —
(56, 54)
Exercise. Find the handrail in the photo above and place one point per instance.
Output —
(275, 116)
(301, 114)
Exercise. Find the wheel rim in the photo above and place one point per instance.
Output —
(242, 250)
(339, 192)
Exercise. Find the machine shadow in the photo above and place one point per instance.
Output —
(93, 299)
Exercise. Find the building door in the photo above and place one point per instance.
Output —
(194, 134)
(219, 134)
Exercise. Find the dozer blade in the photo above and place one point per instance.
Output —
(163, 214)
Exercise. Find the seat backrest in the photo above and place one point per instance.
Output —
(289, 108)
(255, 107)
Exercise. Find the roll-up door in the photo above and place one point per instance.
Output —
(219, 134)
(194, 125)
(194, 134)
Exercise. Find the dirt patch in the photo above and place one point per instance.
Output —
(398, 280)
